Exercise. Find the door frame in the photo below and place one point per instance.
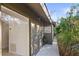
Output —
(0, 37)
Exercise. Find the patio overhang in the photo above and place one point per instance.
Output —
(41, 10)
(33, 10)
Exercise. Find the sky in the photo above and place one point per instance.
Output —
(58, 10)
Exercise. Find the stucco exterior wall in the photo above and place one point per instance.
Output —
(5, 35)
(0, 39)
(18, 33)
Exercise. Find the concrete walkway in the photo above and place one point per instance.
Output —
(49, 50)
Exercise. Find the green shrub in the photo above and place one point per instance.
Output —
(68, 35)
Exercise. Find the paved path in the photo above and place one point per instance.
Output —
(49, 50)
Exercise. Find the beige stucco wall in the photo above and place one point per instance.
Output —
(18, 33)
(0, 39)
(5, 35)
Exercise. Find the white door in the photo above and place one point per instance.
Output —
(19, 37)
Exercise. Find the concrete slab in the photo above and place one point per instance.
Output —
(49, 50)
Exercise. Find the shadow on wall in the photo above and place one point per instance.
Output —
(47, 39)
